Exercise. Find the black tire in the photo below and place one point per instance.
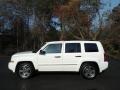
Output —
(25, 70)
(89, 71)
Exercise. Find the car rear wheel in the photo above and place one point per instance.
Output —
(89, 71)
(25, 70)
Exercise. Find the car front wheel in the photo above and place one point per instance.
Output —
(25, 70)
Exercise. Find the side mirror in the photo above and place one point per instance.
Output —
(42, 52)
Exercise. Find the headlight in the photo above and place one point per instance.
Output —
(12, 61)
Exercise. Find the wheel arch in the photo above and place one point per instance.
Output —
(18, 63)
(90, 62)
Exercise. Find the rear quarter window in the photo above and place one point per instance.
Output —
(91, 47)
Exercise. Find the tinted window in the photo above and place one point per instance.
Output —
(72, 47)
(53, 48)
(91, 47)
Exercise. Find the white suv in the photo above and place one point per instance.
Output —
(86, 57)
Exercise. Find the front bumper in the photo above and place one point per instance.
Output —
(11, 66)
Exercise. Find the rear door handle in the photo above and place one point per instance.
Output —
(77, 56)
(57, 56)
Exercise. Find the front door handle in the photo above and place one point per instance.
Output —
(57, 56)
(77, 56)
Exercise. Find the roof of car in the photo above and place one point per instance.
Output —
(73, 41)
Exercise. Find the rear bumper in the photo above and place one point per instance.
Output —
(103, 66)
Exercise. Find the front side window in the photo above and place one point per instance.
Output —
(72, 48)
(91, 47)
(53, 48)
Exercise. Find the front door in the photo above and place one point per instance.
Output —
(52, 59)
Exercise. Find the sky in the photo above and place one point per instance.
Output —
(112, 2)
(105, 10)
(108, 5)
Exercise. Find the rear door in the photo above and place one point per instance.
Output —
(71, 56)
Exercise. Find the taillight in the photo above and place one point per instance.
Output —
(105, 57)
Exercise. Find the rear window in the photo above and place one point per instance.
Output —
(91, 47)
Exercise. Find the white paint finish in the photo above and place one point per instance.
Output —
(50, 61)
(71, 60)
(66, 62)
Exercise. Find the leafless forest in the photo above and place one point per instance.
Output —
(28, 24)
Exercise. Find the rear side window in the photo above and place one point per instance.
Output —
(72, 48)
(91, 47)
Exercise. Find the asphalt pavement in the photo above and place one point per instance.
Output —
(108, 80)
